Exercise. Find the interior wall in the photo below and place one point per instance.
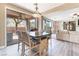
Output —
(75, 20)
(60, 25)
(56, 26)
(2, 25)
(64, 13)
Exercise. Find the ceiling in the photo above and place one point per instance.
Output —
(54, 11)
(63, 16)
(42, 6)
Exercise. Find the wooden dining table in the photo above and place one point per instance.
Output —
(36, 36)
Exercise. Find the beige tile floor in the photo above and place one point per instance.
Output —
(56, 48)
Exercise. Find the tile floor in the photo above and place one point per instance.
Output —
(56, 48)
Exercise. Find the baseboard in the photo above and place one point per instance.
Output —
(68, 41)
(1, 47)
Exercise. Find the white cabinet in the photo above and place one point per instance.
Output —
(71, 36)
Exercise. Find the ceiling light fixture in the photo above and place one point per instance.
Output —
(36, 14)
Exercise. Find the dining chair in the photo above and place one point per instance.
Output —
(27, 44)
(19, 39)
(43, 47)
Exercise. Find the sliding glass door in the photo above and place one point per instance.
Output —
(12, 37)
(32, 24)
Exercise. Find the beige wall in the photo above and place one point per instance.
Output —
(57, 26)
(2, 25)
(3, 7)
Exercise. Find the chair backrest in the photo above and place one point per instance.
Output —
(43, 46)
(19, 34)
(25, 37)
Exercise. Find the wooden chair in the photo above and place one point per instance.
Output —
(26, 41)
(34, 48)
(19, 39)
(43, 47)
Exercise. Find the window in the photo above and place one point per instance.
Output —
(22, 24)
(32, 24)
(10, 22)
(47, 25)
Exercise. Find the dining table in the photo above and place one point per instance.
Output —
(36, 37)
(38, 34)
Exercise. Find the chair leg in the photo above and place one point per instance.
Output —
(23, 49)
(18, 46)
(30, 51)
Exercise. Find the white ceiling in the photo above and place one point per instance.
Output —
(42, 6)
(57, 16)
(63, 16)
